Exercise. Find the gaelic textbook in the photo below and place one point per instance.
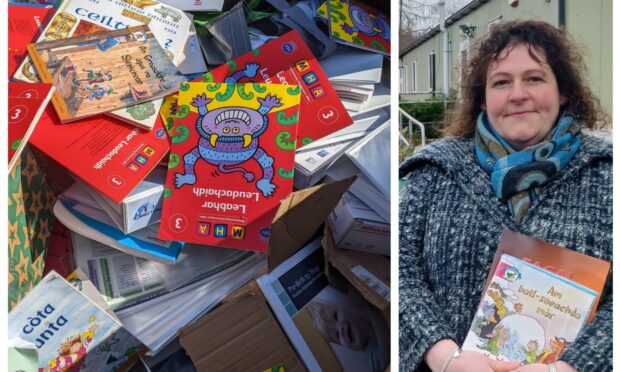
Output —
(528, 314)
(69, 331)
(172, 28)
(97, 73)
(231, 162)
(109, 155)
(288, 60)
(358, 25)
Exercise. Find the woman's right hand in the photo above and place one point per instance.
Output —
(437, 355)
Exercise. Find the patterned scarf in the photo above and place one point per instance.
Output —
(517, 176)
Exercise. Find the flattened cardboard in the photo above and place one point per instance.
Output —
(346, 262)
(240, 335)
(299, 217)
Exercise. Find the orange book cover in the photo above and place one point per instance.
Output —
(588, 271)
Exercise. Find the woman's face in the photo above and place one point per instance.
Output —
(522, 99)
(342, 326)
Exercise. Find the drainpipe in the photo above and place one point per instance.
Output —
(446, 48)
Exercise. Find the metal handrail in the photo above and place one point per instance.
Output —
(414, 121)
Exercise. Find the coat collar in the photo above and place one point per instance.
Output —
(456, 158)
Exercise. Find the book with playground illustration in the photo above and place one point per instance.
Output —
(288, 60)
(528, 314)
(356, 24)
(135, 70)
(69, 331)
(231, 162)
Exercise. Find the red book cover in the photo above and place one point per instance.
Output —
(231, 162)
(288, 60)
(25, 25)
(26, 104)
(111, 156)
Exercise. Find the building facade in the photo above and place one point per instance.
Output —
(589, 22)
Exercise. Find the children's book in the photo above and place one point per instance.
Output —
(25, 25)
(171, 27)
(331, 330)
(528, 314)
(231, 162)
(27, 102)
(354, 23)
(288, 60)
(136, 69)
(69, 331)
(112, 157)
(591, 272)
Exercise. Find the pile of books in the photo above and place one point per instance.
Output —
(168, 179)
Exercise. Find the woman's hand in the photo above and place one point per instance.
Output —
(539, 367)
(474, 361)
(437, 355)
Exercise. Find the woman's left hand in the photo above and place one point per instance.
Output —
(539, 367)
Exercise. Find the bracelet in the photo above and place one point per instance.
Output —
(454, 354)
(552, 367)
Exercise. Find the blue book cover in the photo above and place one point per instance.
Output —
(69, 331)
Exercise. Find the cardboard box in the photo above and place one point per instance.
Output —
(244, 337)
(369, 273)
(248, 335)
(355, 226)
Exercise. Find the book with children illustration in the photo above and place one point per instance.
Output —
(528, 314)
(69, 331)
(231, 162)
(106, 71)
(357, 24)
(172, 28)
(288, 60)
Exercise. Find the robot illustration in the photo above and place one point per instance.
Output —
(228, 138)
(367, 24)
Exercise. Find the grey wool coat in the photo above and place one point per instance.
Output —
(450, 223)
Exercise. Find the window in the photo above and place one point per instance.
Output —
(414, 77)
(403, 79)
(431, 72)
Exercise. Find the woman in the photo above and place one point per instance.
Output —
(516, 158)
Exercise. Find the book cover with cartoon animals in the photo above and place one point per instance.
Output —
(231, 162)
(528, 314)
(68, 330)
(172, 28)
(136, 70)
(357, 24)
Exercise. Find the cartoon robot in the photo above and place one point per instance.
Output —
(367, 24)
(228, 138)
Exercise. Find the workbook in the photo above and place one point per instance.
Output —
(232, 160)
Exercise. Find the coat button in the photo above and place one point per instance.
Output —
(478, 189)
(458, 167)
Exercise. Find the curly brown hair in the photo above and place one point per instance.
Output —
(542, 39)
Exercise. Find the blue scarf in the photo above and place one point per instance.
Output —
(517, 176)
